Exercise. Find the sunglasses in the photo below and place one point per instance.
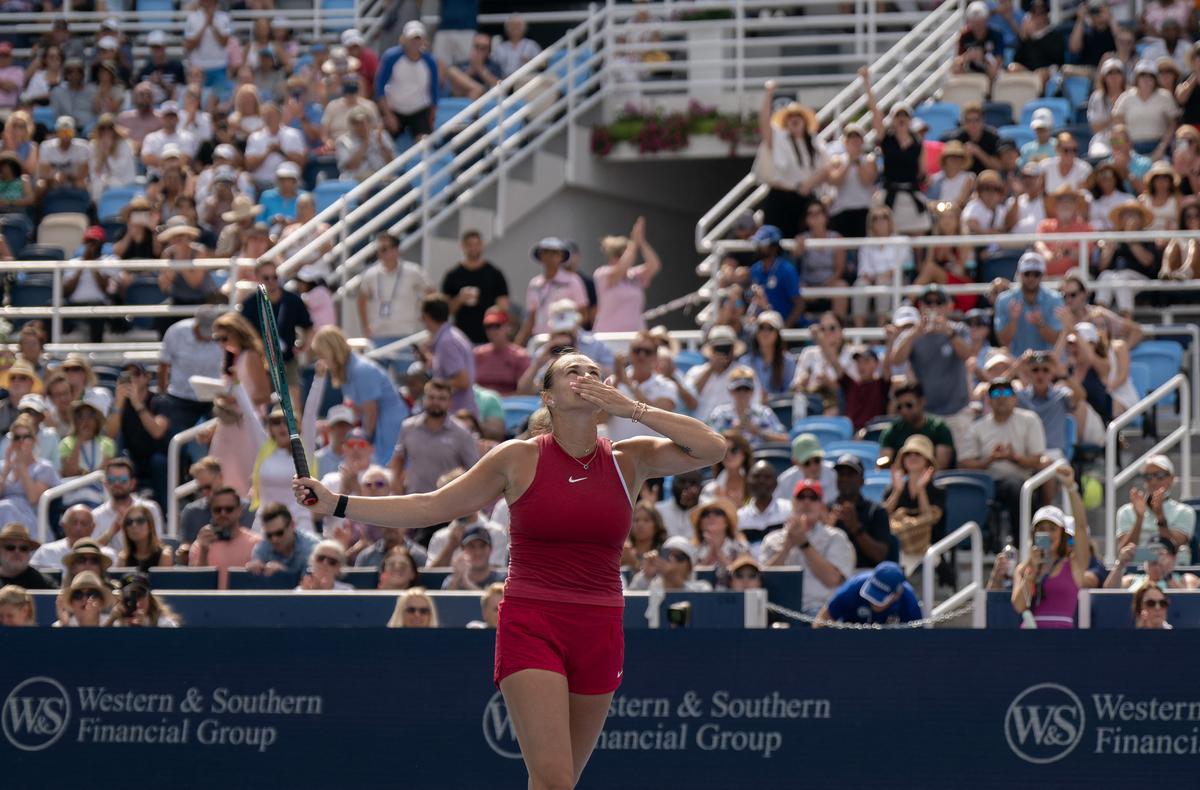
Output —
(711, 512)
(24, 548)
(724, 350)
(1072, 294)
(675, 556)
(644, 352)
(117, 479)
(85, 595)
(377, 484)
(812, 462)
(1039, 369)
(1156, 476)
(325, 558)
(360, 444)
(1001, 392)
(1031, 274)
(131, 520)
(1156, 603)
(807, 496)
(418, 610)
(275, 421)
(22, 438)
(276, 534)
(86, 560)
(933, 301)
(224, 508)
(746, 575)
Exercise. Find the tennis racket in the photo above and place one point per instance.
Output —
(275, 366)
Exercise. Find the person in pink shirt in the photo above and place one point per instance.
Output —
(12, 79)
(223, 543)
(316, 296)
(1066, 209)
(621, 286)
(554, 283)
(498, 363)
(237, 437)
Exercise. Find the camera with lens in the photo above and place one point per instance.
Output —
(679, 614)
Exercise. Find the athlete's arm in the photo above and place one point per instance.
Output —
(477, 488)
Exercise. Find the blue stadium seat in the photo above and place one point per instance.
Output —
(361, 578)
(558, 61)
(1163, 359)
(511, 127)
(40, 252)
(1058, 106)
(826, 429)
(43, 115)
(779, 455)
(783, 409)
(517, 409)
(1139, 374)
(183, 578)
(156, 5)
(1071, 437)
(326, 193)
(242, 579)
(940, 118)
(997, 113)
(34, 290)
(1019, 135)
(1000, 264)
(1077, 90)
(114, 199)
(345, 21)
(686, 360)
(876, 483)
(448, 107)
(867, 452)
(15, 228)
(141, 292)
(968, 498)
(66, 201)
(440, 172)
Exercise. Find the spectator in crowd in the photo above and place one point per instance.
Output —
(981, 143)
(1128, 261)
(398, 570)
(1171, 45)
(139, 535)
(877, 263)
(450, 355)
(852, 174)
(566, 330)
(406, 85)
(393, 540)
(775, 276)
(137, 606)
(1074, 295)
(324, 566)
(1126, 159)
(716, 537)
(16, 607)
(647, 534)
(475, 73)
(980, 47)
(798, 162)
(1110, 84)
(1148, 112)
(91, 287)
(291, 318)
(766, 511)
(1066, 210)
(1050, 401)
(141, 119)
(355, 475)
(814, 374)
(169, 136)
(808, 542)
(205, 39)
(336, 119)
(954, 182)
(188, 350)
(903, 161)
(863, 520)
(915, 507)
(445, 543)
(86, 449)
(120, 486)
(139, 421)
(339, 421)
(12, 79)
(1009, 444)
(1157, 570)
(1103, 368)
(1025, 315)
(1042, 45)
(472, 567)
(274, 466)
(246, 118)
(1105, 185)
(874, 597)
(621, 286)
(685, 493)
(84, 601)
(47, 438)
(1065, 168)
(474, 286)
(909, 398)
(58, 403)
(489, 604)
(244, 360)
(821, 267)
(773, 365)
(670, 569)
(937, 351)
(271, 146)
(414, 609)
(515, 49)
(73, 97)
(16, 550)
(76, 524)
(368, 62)
(139, 241)
(1152, 512)
(17, 140)
(808, 463)
(44, 73)
(1150, 606)
(866, 393)
(63, 159)
(279, 202)
(1047, 584)
(1161, 196)
(112, 163)
(1180, 259)
(162, 73)
(21, 381)
(431, 443)
(554, 284)
(390, 294)
(639, 380)
(499, 363)
(223, 543)
(758, 423)
(362, 149)
(729, 476)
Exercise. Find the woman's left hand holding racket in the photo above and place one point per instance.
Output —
(306, 488)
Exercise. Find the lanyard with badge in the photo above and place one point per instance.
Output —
(385, 305)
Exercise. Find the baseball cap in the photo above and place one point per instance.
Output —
(767, 234)
(205, 317)
(168, 108)
(417, 369)
(157, 38)
(358, 436)
(342, 414)
(1145, 67)
(849, 461)
(806, 446)
(225, 151)
(977, 10)
(808, 485)
(415, 29)
(863, 351)
(741, 379)
(1159, 462)
(1087, 332)
(33, 402)
(64, 122)
(550, 243)
(680, 543)
(287, 170)
(744, 561)
(1031, 262)
(352, 38)
(906, 315)
(224, 173)
(1042, 119)
(107, 42)
(1052, 514)
(884, 581)
(95, 233)
(562, 318)
(495, 317)
(770, 318)
(745, 221)
(476, 532)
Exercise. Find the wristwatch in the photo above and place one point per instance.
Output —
(805, 546)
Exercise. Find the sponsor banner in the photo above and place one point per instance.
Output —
(699, 709)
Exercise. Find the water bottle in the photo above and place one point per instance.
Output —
(1010, 552)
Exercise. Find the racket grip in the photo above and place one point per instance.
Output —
(300, 460)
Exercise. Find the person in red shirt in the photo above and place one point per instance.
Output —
(499, 364)
(867, 396)
(1066, 212)
(559, 641)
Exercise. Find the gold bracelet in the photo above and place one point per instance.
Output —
(639, 411)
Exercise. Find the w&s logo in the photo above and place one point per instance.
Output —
(1044, 723)
(35, 714)
(498, 730)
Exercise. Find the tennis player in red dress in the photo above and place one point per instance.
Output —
(559, 643)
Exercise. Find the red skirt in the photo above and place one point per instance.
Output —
(583, 642)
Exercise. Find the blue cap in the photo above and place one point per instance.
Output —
(476, 532)
(884, 581)
(767, 234)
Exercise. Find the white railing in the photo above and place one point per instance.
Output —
(1181, 436)
(975, 590)
(1043, 476)
(50, 494)
(175, 491)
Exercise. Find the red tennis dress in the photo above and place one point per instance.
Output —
(563, 608)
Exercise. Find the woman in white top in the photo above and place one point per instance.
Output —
(853, 174)
(1104, 184)
(112, 163)
(793, 162)
(43, 75)
(877, 263)
(1110, 84)
(325, 565)
(621, 286)
(274, 470)
(1181, 260)
(1148, 112)
(1161, 196)
(955, 182)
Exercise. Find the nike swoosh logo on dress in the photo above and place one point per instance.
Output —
(575, 480)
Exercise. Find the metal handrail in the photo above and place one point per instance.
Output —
(975, 589)
(1181, 436)
(1043, 476)
(177, 491)
(50, 494)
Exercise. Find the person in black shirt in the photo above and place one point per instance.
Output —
(160, 71)
(474, 285)
(1094, 34)
(291, 317)
(980, 140)
(571, 264)
(16, 548)
(864, 522)
(1041, 43)
(139, 422)
(980, 48)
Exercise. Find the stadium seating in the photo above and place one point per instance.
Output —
(1016, 88)
(867, 452)
(1058, 106)
(1018, 135)
(826, 429)
(328, 192)
(940, 119)
(63, 231)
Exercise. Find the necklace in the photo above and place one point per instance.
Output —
(591, 457)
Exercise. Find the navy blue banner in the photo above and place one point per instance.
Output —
(368, 708)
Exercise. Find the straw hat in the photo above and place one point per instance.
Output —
(955, 148)
(88, 580)
(1160, 169)
(1065, 191)
(242, 208)
(722, 335)
(1110, 167)
(919, 444)
(17, 533)
(340, 60)
(177, 226)
(720, 503)
(662, 335)
(780, 116)
(1114, 216)
(86, 547)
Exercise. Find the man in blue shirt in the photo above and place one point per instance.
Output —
(1025, 318)
(1049, 401)
(279, 202)
(881, 596)
(776, 275)
(285, 551)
